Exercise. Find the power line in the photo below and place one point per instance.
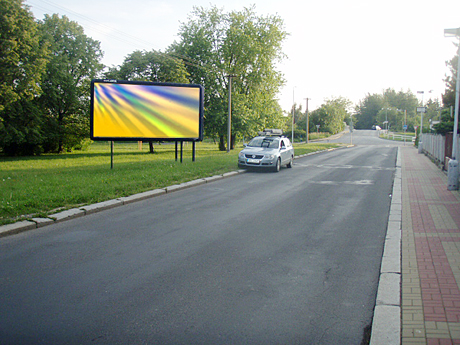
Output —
(119, 35)
(94, 24)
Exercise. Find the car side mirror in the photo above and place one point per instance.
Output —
(245, 145)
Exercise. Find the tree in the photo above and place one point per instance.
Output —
(74, 61)
(389, 106)
(448, 97)
(22, 62)
(216, 45)
(447, 122)
(22, 58)
(331, 115)
(153, 66)
(367, 110)
(299, 122)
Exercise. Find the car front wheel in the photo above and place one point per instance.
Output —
(278, 165)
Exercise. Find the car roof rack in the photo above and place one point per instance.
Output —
(269, 132)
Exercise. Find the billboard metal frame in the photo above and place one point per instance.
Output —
(171, 119)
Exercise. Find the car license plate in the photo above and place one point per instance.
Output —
(255, 161)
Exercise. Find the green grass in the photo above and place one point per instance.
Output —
(37, 186)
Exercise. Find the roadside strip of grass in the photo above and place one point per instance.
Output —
(38, 186)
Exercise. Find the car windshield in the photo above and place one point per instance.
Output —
(264, 142)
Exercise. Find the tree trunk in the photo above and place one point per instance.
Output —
(151, 149)
(222, 143)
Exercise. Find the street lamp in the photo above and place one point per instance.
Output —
(386, 120)
(307, 120)
(452, 172)
(293, 113)
(420, 143)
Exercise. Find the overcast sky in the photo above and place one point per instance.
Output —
(345, 48)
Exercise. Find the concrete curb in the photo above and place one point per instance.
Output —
(386, 325)
(34, 223)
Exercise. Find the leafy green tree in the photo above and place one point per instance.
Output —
(22, 133)
(215, 45)
(389, 106)
(22, 62)
(367, 110)
(299, 123)
(74, 61)
(153, 66)
(447, 122)
(448, 97)
(22, 58)
(331, 115)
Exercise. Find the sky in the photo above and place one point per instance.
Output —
(335, 48)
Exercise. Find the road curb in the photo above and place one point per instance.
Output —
(386, 324)
(34, 223)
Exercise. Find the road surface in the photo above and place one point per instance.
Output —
(259, 258)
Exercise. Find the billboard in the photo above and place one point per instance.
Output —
(130, 110)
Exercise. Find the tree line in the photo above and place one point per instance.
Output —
(46, 67)
(394, 110)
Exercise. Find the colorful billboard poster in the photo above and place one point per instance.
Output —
(128, 110)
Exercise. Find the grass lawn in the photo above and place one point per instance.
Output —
(37, 186)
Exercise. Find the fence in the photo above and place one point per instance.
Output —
(398, 137)
(434, 145)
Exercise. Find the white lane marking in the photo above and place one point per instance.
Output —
(337, 183)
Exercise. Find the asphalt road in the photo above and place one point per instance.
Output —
(260, 258)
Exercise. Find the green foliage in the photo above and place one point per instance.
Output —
(448, 98)
(22, 58)
(447, 123)
(152, 66)
(74, 61)
(214, 45)
(389, 106)
(22, 62)
(330, 116)
(22, 133)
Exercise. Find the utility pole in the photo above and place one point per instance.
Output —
(229, 121)
(307, 120)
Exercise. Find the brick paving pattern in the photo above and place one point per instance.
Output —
(430, 301)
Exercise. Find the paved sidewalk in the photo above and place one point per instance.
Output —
(430, 303)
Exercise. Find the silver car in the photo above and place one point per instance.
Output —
(270, 152)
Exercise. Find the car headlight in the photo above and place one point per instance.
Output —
(269, 156)
(241, 155)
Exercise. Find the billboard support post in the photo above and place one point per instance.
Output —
(193, 150)
(176, 151)
(181, 150)
(111, 155)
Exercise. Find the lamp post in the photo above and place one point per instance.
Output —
(293, 113)
(420, 143)
(452, 172)
(307, 120)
